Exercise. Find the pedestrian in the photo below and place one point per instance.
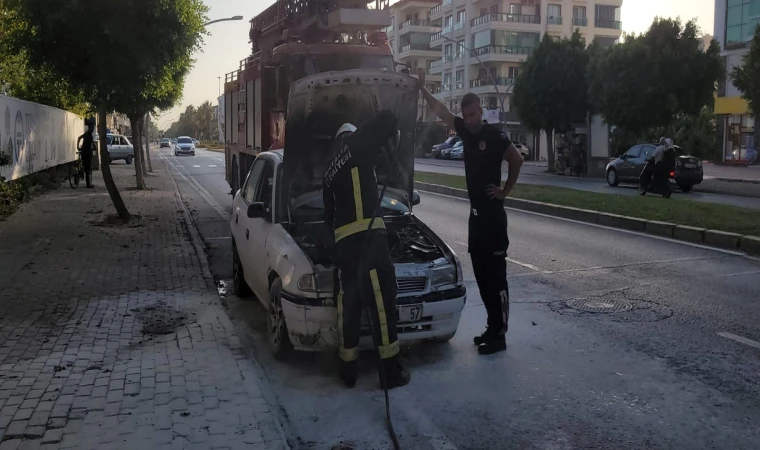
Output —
(86, 145)
(366, 271)
(485, 147)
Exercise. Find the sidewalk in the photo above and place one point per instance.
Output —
(749, 174)
(114, 336)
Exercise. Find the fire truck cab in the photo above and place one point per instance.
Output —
(290, 40)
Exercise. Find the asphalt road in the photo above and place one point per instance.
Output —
(679, 370)
(532, 174)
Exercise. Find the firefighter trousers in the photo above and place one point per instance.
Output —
(367, 283)
(491, 275)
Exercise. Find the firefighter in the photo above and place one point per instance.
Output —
(366, 272)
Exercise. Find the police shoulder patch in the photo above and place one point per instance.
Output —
(482, 145)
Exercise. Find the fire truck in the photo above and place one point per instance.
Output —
(292, 39)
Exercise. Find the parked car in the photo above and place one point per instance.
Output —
(627, 168)
(282, 248)
(166, 142)
(196, 142)
(523, 149)
(119, 148)
(457, 152)
(448, 143)
(446, 153)
(184, 146)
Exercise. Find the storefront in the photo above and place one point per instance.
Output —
(737, 128)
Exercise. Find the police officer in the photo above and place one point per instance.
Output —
(367, 274)
(485, 147)
(86, 144)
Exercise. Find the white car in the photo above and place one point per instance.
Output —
(184, 146)
(457, 152)
(119, 148)
(281, 245)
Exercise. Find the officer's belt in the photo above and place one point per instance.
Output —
(357, 227)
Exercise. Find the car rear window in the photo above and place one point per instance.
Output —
(185, 141)
(164, 140)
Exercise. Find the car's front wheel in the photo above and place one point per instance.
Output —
(685, 187)
(239, 286)
(612, 177)
(129, 159)
(277, 330)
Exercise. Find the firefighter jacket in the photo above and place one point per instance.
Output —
(349, 185)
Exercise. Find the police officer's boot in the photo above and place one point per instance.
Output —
(395, 374)
(348, 372)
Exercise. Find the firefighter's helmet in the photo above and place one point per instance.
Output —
(345, 128)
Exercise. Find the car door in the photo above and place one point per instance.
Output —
(260, 227)
(241, 224)
(646, 152)
(626, 169)
(113, 146)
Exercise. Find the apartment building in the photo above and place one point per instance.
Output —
(734, 26)
(409, 38)
(483, 43)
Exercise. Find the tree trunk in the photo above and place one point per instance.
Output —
(105, 167)
(550, 149)
(756, 144)
(142, 138)
(147, 142)
(136, 145)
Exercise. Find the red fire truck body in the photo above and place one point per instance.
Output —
(293, 39)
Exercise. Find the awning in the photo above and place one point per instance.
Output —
(731, 105)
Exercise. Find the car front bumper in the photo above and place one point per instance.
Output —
(315, 328)
(188, 151)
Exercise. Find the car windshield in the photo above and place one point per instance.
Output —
(164, 140)
(185, 141)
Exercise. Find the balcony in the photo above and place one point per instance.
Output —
(487, 82)
(554, 20)
(580, 21)
(609, 24)
(508, 50)
(420, 50)
(445, 87)
(436, 10)
(415, 23)
(459, 85)
(501, 17)
(458, 26)
(436, 36)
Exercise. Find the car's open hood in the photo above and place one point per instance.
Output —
(319, 104)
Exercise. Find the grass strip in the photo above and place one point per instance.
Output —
(676, 210)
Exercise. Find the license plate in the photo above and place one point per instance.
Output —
(411, 313)
(690, 166)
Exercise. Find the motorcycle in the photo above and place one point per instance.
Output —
(648, 182)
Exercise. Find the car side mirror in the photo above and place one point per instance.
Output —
(415, 198)
(256, 210)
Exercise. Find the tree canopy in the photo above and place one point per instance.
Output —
(649, 79)
(196, 122)
(550, 92)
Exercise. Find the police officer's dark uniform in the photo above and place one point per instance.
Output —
(86, 149)
(367, 274)
(487, 237)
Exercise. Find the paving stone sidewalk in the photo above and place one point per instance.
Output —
(112, 337)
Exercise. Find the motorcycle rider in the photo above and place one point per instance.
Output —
(366, 272)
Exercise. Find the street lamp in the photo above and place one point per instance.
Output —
(493, 80)
(224, 20)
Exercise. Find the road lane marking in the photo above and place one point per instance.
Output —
(739, 274)
(212, 165)
(194, 165)
(202, 191)
(740, 339)
(637, 233)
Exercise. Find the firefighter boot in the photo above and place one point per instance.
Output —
(395, 374)
(348, 372)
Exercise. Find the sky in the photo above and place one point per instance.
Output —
(227, 42)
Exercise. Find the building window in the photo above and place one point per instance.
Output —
(448, 22)
(494, 8)
(446, 82)
(483, 11)
(607, 17)
(481, 39)
(459, 79)
(515, 8)
(742, 16)
(460, 49)
(461, 17)
(554, 15)
(513, 72)
(579, 16)
(447, 49)
(493, 103)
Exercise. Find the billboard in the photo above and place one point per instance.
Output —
(36, 137)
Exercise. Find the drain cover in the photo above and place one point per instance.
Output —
(599, 305)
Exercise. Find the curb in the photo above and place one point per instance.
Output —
(714, 238)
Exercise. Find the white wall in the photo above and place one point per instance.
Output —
(37, 137)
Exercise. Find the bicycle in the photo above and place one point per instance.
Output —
(76, 171)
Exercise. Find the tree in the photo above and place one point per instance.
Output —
(76, 40)
(649, 79)
(550, 92)
(746, 78)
